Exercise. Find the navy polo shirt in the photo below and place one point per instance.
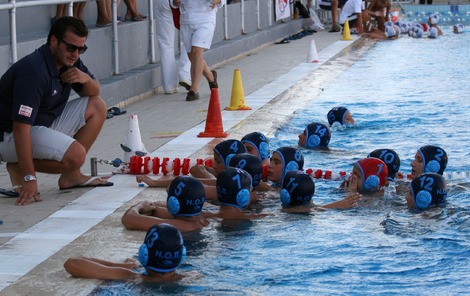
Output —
(31, 91)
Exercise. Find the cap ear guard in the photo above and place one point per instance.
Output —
(143, 255)
(423, 199)
(432, 166)
(243, 198)
(173, 205)
(263, 151)
(227, 160)
(313, 141)
(372, 183)
(285, 197)
(291, 166)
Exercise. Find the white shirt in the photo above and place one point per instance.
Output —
(198, 11)
(350, 7)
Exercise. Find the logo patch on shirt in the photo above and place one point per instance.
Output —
(25, 111)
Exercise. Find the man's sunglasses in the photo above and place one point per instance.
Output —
(73, 48)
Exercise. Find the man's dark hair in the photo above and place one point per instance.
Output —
(67, 23)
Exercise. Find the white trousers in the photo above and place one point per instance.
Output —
(165, 33)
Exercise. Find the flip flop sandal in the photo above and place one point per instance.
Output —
(116, 111)
(8, 192)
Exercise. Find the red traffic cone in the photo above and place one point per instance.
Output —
(214, 126)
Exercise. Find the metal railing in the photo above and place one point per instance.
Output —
(13, 5)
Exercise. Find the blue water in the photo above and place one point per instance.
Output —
(449, 14)
(403, 94)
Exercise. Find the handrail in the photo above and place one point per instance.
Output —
(13, 5)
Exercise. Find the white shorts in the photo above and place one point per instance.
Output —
(50, 143)
(199, 35)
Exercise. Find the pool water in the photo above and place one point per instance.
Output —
(449, 14)
(403, 94)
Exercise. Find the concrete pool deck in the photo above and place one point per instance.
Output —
(36, 239)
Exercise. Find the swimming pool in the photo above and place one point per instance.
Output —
(449, 14)
(404, 94)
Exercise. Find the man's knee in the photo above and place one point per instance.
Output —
(74, 157)
(96, 106)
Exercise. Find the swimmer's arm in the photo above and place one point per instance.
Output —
(92, 268)
(202, 172)
(162, 182)
(211, 192)
(141, 216)
(348, 202)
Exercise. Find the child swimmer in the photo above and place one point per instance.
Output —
(297, 192)
(160, 239)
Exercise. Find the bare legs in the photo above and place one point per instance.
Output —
(198, 68)
(75, 155)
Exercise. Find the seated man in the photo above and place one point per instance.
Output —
(352, 13)
(333, 6)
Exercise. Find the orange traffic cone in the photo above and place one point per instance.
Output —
(346, 31)
(312, 56)
(214, 126)
(237, 101)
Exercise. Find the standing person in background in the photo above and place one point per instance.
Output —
(78, 8)
(40, 129)
(132, 13)
(198, 20)
(165, 31)
(61, 11)
(105, 15)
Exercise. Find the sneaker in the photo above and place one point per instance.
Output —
(185, 84)
(214, 84)
(192, 96)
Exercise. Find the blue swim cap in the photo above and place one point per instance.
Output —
(337, 114)
(186, 196)
(249, 163)
(228, 148)
(374, 173)
(260, 142)
(428, 189)
(317, 135)
(292, 159)
(163, 249)
(297, 189)
(434, 159)
(234, 187)
(391, 159)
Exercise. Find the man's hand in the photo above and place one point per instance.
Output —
(28, 192)
(74, 75)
